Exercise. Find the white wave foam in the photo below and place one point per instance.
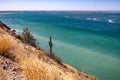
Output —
(110, 21)
(95, 19)
(88, 18)
(18, 32)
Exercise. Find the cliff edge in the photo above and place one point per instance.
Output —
(20, 61)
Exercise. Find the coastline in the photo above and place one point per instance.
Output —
(37, 59)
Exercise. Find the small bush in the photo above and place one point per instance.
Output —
(28, 38)
(56, 58)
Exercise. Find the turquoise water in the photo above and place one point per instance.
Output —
(88, 41)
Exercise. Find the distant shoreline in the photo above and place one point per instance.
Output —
(82, 11)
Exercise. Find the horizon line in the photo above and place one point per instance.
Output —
(65, 10)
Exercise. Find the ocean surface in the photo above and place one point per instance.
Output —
(89, 41)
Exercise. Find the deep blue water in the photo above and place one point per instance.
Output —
(89, 41)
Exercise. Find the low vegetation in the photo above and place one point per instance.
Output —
(56, 58)
(28, 38)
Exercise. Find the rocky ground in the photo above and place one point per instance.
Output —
(10, 70)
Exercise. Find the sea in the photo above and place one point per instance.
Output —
(88, 41)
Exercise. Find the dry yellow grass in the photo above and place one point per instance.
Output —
(25, 56)
(5, 45)
(33, 72)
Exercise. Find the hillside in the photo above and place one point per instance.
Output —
(20, 61)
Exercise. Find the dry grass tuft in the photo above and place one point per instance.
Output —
(33, 71)
(5, 45)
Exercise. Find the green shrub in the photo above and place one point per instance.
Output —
(28, 38)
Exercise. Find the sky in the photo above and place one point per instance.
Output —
(60, 5)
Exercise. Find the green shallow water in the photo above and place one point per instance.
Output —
(91, 46)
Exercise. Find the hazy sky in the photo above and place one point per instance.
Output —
(60, 5)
